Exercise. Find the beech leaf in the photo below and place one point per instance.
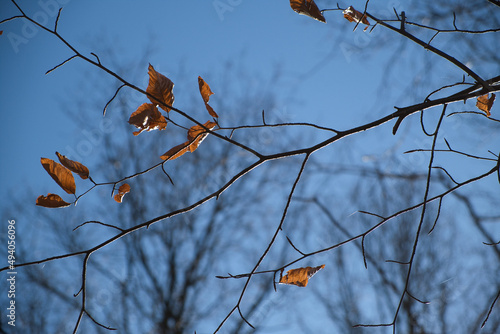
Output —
(161, 88)
(51, 201)
(307, 7)
(146, 118)
(124, 189)
(74, 166)
(176, 151)
(205, 92)
(60, 174)
(300, 276)
(352, 15)
(484, 103)
(196, 134)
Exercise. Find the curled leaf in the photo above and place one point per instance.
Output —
(74, 166)
(205, 92)
(352, 15)
(51, 201)
(484, 103)
(300, 276)
(307, 7)
(60, 174)
(196, 134)
(124, 189)
(146, 118)
(161, 88)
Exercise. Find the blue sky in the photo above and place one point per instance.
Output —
(262, 37)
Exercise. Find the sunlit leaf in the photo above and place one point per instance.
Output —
(60, 174)
(161, 88)
(205, 92)
(124, 189)
(307, 7)
(51, 201)
(176, 151)
(484, 103)
(74, 166)
(146, 118)
(196, 134)
(300, 276)
(352, 15)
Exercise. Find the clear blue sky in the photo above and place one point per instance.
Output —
(262, 36)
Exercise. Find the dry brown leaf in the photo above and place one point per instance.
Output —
(196, 134)
(300, 276)
(146, 118)
(74, 166)
(161, 88)
(51, 201)
(307, 7)
(352, 15)
(124, 189)
(176, 151)
(205, 92)
(60, 174)
(484, 103)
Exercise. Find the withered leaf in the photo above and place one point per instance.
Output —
(124, 189)
(196, 134)
(146, 118)
(205, 92)
(161, 88)
(307, 7)
(74, 166)
(60, 174)
(51, 201)
(300, 276)
(484, 103)
(352, 15)
(176, 151)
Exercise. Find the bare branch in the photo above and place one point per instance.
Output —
(491, 309)
(61, 64)
(107, 104)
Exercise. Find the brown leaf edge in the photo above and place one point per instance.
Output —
(60, 174)
(196, 134)
(147, 118)
(484, 103)
(161, 88)
(51, 201)
(300, 276)
(308, 8)
(205, 92)
(74, 166)
(352, 15)
(124, 189)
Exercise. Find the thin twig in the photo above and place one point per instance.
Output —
(107, 104)
(61, 64)
(491, 309)
(57, 19)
